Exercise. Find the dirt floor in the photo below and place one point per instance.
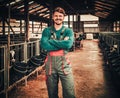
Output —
(92, 79)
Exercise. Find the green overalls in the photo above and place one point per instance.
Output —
(57, 65)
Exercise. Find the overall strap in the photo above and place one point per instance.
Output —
(53, 35)
(61, 34)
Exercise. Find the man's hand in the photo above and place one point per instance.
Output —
(66, 38)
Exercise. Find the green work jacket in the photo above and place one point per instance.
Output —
(49, 44)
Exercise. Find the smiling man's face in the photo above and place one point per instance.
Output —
(58, 18)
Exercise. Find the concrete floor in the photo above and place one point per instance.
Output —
(92, 79)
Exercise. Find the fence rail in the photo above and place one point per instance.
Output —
(20, 52)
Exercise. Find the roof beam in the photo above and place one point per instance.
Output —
(97, 8)
(46, 15)
(17, 4)
(36, 9)
(99, 14)
(45, 10)
(115, 2)
(32, 6)
(104, 7)
(42, 2)
(31, 18)
(105, 4)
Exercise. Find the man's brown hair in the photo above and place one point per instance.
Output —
(60, 10)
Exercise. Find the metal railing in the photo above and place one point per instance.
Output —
(112, 39)
(22, 52)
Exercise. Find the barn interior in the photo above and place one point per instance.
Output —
(22, 23)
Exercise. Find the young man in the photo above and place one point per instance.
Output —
(57, 40)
